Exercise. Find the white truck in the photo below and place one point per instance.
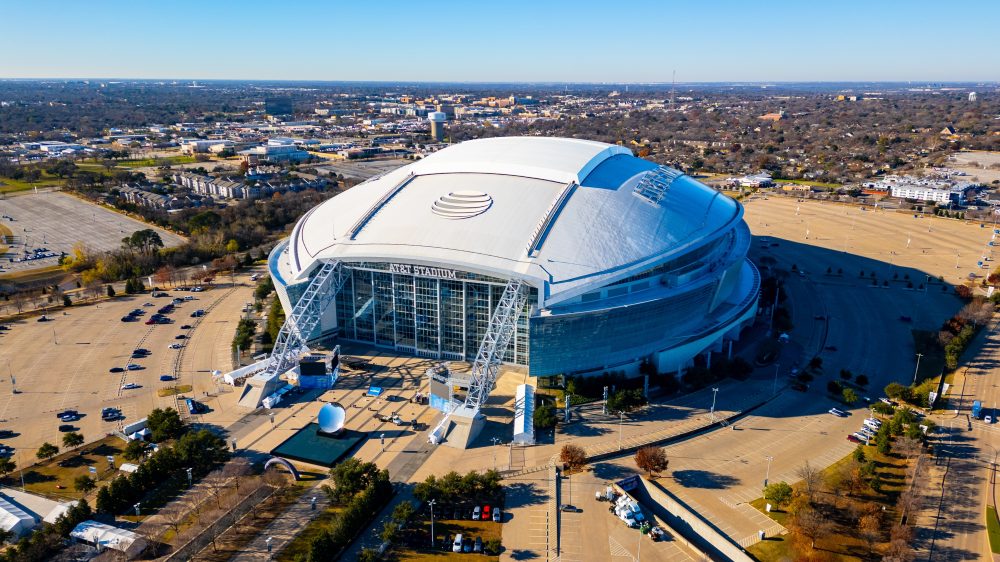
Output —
(628, 510)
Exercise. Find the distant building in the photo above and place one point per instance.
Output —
(252, 187)
(192, 146)
(973, 97)
(922, 189)
(279, 106)
(773, 116)
(276, 150)
(437, 120)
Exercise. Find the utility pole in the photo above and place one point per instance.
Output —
(917, 368)
(767, 474)
(715, 392)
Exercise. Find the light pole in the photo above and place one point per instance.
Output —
(919, 355)
(267, 541)
(496, 441)
(774, 389)
(188, 470)
(431, 503)
(767, 473)
(138, 507)
(621, 419)
(715, 392)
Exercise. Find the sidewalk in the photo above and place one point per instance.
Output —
(286, 526)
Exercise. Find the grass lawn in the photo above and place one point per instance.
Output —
(170, 391)
(415, 545)
(810, 182)
(993, 528)
(8, 185)
(300, 544)
(53, 273)
(54, 477)
(844, 544)
(148, 162)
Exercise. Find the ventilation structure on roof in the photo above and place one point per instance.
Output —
(653, 185)
(462, 204)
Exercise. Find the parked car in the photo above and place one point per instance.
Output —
(476, 512)
(6, 434)
(486, 513)
(67, 413)
(129, 386)
(497, 515)
(838, 412)
(853, 439)
(179, 337)
(198, 313)
(456, 545)
(166, 377)
(186, 326)
(988, 419)
(66, 427)
(133, 367)
(116, 370)
(478, 547)
(175, 346)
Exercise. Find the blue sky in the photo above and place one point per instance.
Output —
(513, 40)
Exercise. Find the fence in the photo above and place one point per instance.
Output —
(210, 533)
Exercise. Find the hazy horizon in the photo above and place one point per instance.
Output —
(518, 42)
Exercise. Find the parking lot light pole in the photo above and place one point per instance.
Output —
(621, 419)
(431, 503)
(715, 392)
(767, 473)
(917, 368)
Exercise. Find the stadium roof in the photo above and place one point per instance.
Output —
(565, 214)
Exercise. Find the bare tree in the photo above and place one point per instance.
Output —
(810, 478)
(811, 524)
(573, 456)
(870, 527)
(908, 446)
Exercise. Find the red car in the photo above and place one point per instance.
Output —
(486, 513)
(853, 439)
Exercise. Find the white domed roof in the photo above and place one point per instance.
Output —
(565, 214)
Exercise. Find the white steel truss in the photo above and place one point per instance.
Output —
(305, 316)
(495, 342)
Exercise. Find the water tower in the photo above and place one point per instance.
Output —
(437, 119)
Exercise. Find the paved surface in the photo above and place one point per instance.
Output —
(58, 221)
(65, 363)
(285, 527)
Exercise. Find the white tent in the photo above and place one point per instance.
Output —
(107, 537)
(15, 519)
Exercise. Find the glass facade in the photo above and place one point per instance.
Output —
(573, 343)
(393, 305)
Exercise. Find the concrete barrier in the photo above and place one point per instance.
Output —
(690, 525)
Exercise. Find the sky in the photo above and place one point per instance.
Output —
(616, 41)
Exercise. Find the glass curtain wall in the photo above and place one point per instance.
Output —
(425, 316)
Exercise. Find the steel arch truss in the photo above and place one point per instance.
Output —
(495, 342)
(305, 316)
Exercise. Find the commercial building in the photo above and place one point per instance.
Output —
(620, 261)
(934, 190)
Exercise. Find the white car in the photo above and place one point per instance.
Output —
(988, 419)
(838, 413)
(175, 346)
(129, 386)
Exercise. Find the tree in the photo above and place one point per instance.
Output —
(110, 291)
(573, 456)
(862, 380)
(849, 395)
(67, 301)
(545, 416)
(72, 440)
(7, 466)
(779, 493)
(626, 400)
(811, 524)
(83, 483)
(47, 451)
(135, 450)
(652, 460)
(810, 478)
(232, 247)
(869, 527)
(897, 391)
(164, 424)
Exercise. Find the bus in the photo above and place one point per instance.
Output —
(977, 409)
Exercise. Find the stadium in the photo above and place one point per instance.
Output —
(563, 256)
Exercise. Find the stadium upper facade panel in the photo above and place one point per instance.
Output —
(604, 239)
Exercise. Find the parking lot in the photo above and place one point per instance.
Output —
(66, 362)
(56, 221)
